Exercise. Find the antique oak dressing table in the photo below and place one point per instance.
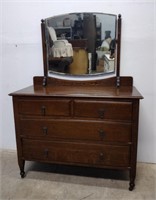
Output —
(91, 123)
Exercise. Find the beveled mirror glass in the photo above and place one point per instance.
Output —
(81, 44)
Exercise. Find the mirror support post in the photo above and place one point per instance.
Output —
(44, 50)
(118, 51)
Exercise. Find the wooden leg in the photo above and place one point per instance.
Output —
(131, 185)
(132, 180)
(22, 173)
(21, 166)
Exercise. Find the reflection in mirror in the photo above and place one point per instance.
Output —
(81, 43)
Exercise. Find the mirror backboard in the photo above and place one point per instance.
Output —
(81, 44)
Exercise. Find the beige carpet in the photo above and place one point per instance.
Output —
(66, 183)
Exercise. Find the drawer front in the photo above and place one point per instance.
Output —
(78, 130)
(45, 107)
(87, 154)
(103, 110)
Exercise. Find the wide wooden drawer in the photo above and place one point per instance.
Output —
(113, 110)
(44, 107)
(87, 154)
(77, 130)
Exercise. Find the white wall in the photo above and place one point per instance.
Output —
(22, 56)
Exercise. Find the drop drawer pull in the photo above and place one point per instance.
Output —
(101, 134)
(45, 130)
(101, 156)
(43, 110)
(101, 113)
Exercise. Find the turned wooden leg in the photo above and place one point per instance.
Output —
(132, 180)
(131, 185)
(22, 173)
(21, 166)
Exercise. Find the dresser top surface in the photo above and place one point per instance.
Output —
(78, 91)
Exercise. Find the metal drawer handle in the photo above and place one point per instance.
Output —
(101, 113)
(45, 130)
(101, 134)
(43, 110)
(46, 152)
(101, 156)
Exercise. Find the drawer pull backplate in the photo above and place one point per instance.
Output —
(101, 133)
(101, 156)
(45, 130)
(101, 113)
(43, 110)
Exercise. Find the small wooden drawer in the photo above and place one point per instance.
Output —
(76, 130)
(113, 110)
(74, 153)
(45, 107)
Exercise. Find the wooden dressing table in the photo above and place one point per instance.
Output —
(84, 123)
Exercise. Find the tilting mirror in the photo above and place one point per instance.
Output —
(81, 44)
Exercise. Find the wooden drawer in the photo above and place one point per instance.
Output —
(44, 107)
(74, 153)
(77, 130)
(103, 110)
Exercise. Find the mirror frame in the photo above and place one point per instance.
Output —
(45, 58)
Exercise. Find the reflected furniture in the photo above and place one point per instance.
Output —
(79, 66)
(60, 48)
(108, 63)
(60, 54)
(64, 32)
(91, 123)
(80, 62)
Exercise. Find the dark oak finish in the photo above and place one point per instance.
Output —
(108, 82)
(89, 123)
(76, 153)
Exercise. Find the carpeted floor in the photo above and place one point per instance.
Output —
(56, 182)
